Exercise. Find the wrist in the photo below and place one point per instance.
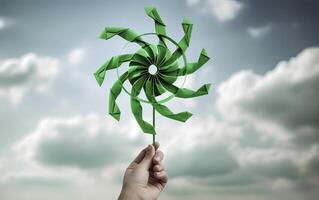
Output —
(130, 194)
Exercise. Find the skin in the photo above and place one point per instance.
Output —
(145, 178)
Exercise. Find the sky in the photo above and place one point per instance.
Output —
(254, 137)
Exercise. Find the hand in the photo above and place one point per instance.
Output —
(145, 177)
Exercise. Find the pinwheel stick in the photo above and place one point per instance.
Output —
(154, 126)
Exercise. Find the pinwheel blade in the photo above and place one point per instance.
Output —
(163, 110)
(192, 67)
(137, 108)
(125, 33)
(184, 43)
(187, 93)
(112, 63)
(116, 89)
(160, 27)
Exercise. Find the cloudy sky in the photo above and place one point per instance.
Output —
(255, 136)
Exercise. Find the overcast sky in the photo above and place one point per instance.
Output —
(255, 136)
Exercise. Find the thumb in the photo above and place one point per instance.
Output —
(147, 160)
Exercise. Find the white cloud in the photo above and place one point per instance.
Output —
(5, 22)
(279, 96)
(2, 23)
(282, 105)
(260, 31)
(192, 2)
(76, 56)
(222, 10)
(79, 141)
(21, 75)
(83, 151)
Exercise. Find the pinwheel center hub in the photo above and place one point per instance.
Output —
(152, 69)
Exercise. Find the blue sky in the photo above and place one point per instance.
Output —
(255, 136)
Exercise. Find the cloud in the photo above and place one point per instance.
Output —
(260, 31)
(192, 2)
(279, 106)
(222, 10)
(189, 162)
(27, 73)
(284, 96)
(6, 22)
(3, 23)
(68, 155)
(79, 141)
(76, 56)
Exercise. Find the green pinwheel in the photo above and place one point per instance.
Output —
(153, 84)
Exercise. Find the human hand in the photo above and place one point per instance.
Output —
(145, 177)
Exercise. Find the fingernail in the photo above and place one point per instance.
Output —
(148, 147)
(156, 158)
